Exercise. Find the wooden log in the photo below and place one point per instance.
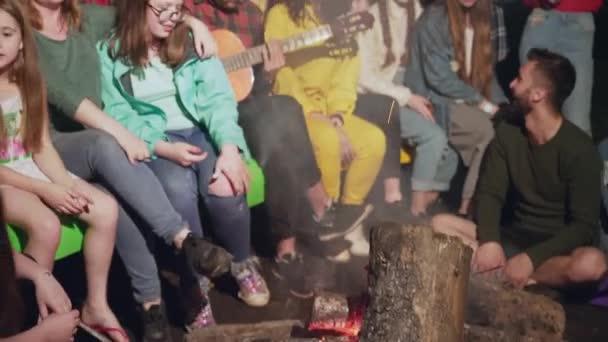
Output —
(265, 331)
(490, 303)
(418, 283)
(477, 333)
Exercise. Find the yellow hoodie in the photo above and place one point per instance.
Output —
(326, 85)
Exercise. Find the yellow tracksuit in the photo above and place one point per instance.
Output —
(328, 85)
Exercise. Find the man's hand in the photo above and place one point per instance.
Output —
(204, 43)
(422, 106)
(519, 269)
(233, 167)
(186, 154)
(489, 256)
(134, 147)
(273, 56)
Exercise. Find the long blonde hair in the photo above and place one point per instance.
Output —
(482, 65)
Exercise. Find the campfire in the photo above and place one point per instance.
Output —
(421, 289)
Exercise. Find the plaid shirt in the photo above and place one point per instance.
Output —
(98, 2)
(247, 22)
(499, 34)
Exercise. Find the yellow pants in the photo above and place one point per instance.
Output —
(369, 145)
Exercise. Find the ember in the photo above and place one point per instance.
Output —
(334, 314)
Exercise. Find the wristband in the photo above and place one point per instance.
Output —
(487, 107)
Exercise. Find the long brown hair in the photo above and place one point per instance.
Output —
(26, 75)
(72, 15)
(482, 69)
(130, 41)
(11, 304)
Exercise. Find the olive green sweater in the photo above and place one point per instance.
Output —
(71, 67)
(554, 190)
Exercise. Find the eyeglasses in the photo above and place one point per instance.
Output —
(166, 14)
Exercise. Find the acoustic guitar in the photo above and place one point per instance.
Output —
(238, 61)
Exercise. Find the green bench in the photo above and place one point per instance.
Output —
(72, 235)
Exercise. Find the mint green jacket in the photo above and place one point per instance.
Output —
(203, 91)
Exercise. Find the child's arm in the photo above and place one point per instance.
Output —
(49, 162)
(50, 296)
(56, 328)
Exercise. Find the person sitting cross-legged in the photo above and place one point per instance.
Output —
(551, 170)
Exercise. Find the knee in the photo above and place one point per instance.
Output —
(287, 104)
(221, 187)
(46, 230)
(105, 146)
(484, 133)
(435, 139)
(376, 142)
(104, 211)
(326, 143)
(440, 222)
(180, 187)
(587, 265)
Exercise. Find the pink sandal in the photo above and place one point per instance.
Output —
(104, 331)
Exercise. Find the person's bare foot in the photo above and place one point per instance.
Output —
(392, 190)
(418, 205)
(102, 319)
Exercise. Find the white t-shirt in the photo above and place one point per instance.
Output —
(469, 36)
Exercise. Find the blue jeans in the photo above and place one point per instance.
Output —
(96, 156)
(571, 35)
(230, 216)
(435, 162)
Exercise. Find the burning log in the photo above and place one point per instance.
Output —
(418, 284)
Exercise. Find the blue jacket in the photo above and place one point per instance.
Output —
(430, 71)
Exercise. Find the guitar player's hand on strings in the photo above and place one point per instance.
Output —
(273, 56)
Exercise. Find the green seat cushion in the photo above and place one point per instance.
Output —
(72, 232)
(256, 191)
(72, 238)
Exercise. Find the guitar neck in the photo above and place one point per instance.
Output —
(253, 56)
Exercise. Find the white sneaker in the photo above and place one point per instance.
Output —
(360, 244)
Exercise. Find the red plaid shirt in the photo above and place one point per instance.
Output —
(98, 2)
(247, 22)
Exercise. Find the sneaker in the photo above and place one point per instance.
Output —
(252, 287)
(348, 217)
(337, 250)
(204, 257)
(328, 218)
(155, 324)
(294, 268)
(204, 318)
(360, 243)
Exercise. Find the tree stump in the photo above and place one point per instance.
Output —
(418, 283)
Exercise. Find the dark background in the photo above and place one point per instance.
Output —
(515, 17)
